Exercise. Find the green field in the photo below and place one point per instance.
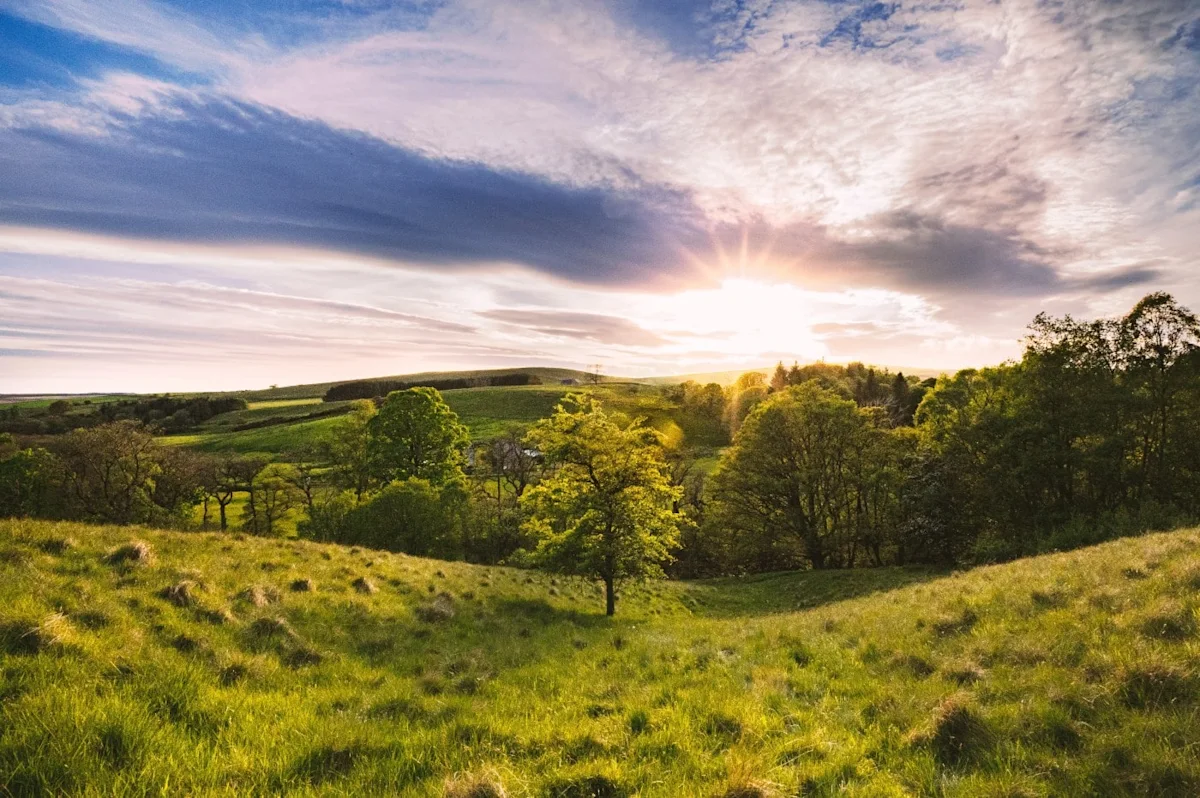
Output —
(198, 669)
(266, 441)
(316, 390)
(487, 413)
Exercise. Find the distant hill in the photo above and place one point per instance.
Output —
(137, 661)
(549, 376)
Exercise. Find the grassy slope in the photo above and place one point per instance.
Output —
(1065, 674)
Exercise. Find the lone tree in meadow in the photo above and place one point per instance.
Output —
(605, 508)
(415, 434)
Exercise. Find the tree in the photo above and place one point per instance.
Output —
(349, 451)
(748, 391)
(110, 471)
(179, 485)
(416, 434)
(227, 476)
(30, 481)
(792, 488)
(271, 496)
(1160, 340)
(605, 510)
(412, 516)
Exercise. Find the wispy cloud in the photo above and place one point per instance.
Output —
(985, 159)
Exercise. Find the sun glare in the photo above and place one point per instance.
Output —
(744, 318)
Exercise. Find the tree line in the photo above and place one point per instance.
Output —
(372, 389)
(1093, 433)
(168, 413)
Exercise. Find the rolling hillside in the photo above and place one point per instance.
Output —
(136, 661)
(288, 425)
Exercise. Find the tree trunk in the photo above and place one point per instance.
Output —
(224, 523)
(610, 596)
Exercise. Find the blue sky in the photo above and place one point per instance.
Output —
(202, 195)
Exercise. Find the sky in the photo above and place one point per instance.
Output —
(210, 194)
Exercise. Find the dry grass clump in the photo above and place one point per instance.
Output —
(233, 673)
(1052, 598)
(956, 624)
(474, 785)
(135, 552)
(748, 789)
(268, 628)
(964, 673)
(260, 596)
(27, 637)
(303, 656)
(915, 664)
(436, 611)
(364, 585)
(1158, 684)
(219, 616)
(181, 594)
(304, 585)
(1174, 624)
(57, 546)
(596, 785)
(957, 734)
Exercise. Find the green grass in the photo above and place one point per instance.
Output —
(487, 413)
(316, 390)
(283, 403)
(200, 671)
(267, 441)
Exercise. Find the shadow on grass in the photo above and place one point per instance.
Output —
(789, 591)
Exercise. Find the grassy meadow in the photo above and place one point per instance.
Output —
(142, 662)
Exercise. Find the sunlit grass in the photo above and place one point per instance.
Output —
(201, 667)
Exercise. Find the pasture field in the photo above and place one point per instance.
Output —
(142, 662)
(269, 442)
(486, 412)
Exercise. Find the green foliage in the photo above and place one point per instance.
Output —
(811, 480)
(415, 434)
(412, 516)
(606, 509)
(30, 483)
(271, 495)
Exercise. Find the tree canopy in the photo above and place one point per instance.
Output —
(606, 508)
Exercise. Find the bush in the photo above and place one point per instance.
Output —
(411, 516)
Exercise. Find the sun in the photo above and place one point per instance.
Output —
(743, 319)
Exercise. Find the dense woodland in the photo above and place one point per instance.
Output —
(1094, 433)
